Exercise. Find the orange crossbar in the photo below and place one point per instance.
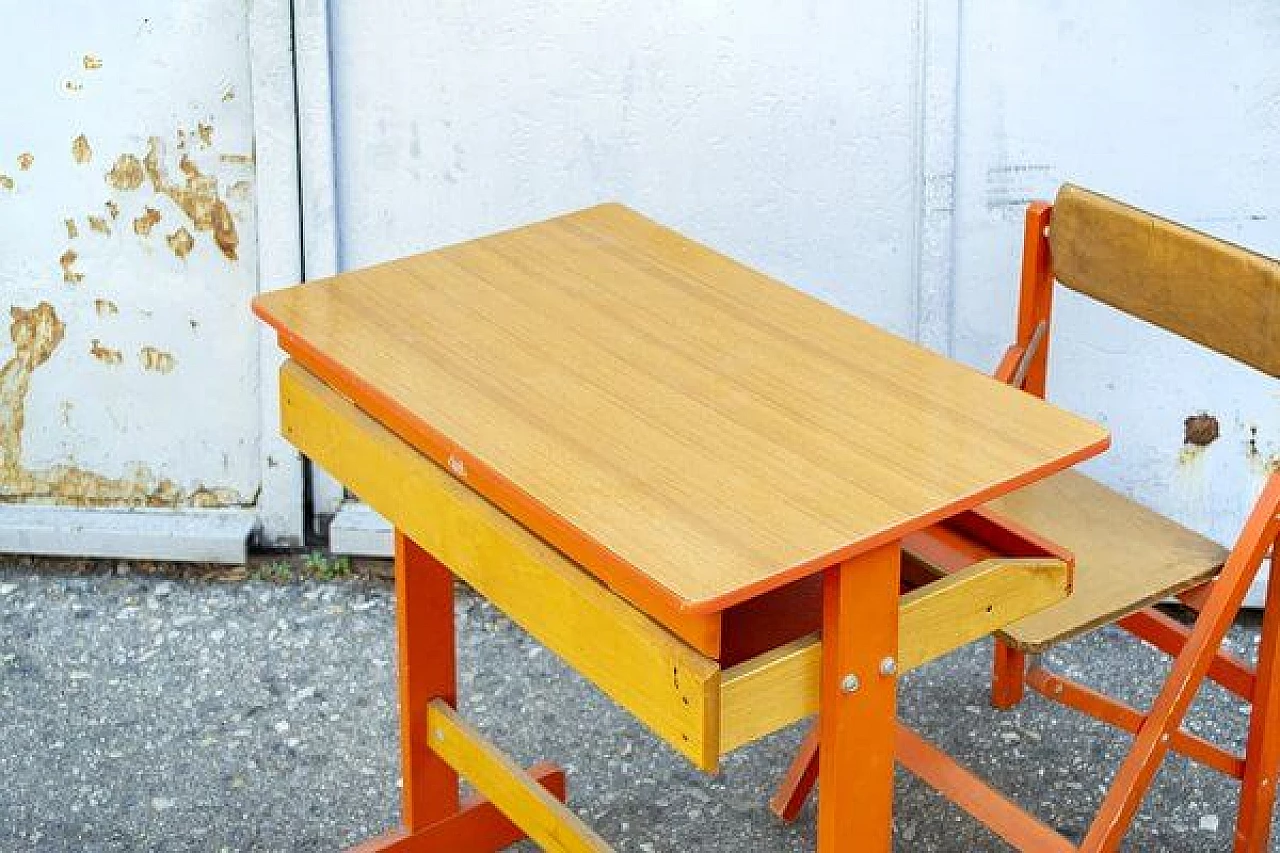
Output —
(1170, 636)
(1115, 713)
(1002, 816)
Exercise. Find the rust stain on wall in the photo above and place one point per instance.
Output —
(72, 231)
(198, 197)
(97, 223)
(67, 262)
(181, 242)
(213, 497)
(25, 159)
(91, 62)
(1200, 430)
(36, 333)
(237, 159)
(81, 151)
(205, 132)
(157, 360)
(143, 224)
(126, 174)
(112, 208)
(105, 354)
(105, 307)
(6, 182)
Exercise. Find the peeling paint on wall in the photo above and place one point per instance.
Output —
(81, 151)
(157, 360)
(198, 197)
(181, 242)
(126, 174)
(67, 262)
(106, 355)
(36, 333)
(143, 224)
(106, 421)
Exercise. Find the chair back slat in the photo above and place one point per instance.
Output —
(1205, 289)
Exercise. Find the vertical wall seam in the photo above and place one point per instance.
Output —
(277, 215)
(317, 189)
(953, 241)
(919, 155)
(308, 469)
(938, 134)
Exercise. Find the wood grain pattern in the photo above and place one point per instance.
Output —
(1202, 288)
(664, 683)
(1127, 556)
(691, 431)
(780, 687)
(543, 818)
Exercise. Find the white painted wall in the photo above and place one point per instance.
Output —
(783, 134)
(129, 211)
(1176, 108)
(878, 155)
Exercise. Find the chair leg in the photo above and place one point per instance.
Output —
(1136, 773)
(1262, 752)
(1008, 683)
(797, 785)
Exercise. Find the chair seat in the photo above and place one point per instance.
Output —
(1127, 556)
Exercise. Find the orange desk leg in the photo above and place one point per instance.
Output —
(427, 658)
(434, 819)
(857, 703)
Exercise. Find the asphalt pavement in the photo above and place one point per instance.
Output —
(139, 712)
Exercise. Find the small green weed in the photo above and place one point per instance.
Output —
(325, 567)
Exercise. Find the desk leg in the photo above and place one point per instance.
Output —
(858, 703)
(434, 819)
(428, 670)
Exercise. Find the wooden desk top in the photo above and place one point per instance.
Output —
(689, 430)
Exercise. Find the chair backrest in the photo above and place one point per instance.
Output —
(1205, 289)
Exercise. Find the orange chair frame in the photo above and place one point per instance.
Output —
(1196, 649)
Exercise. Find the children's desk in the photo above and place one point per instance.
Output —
(688, 480)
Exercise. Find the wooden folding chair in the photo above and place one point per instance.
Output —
(1127, 557)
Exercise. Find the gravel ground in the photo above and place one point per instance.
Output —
(138, 713)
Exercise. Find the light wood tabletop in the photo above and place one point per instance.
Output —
(691, 431)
